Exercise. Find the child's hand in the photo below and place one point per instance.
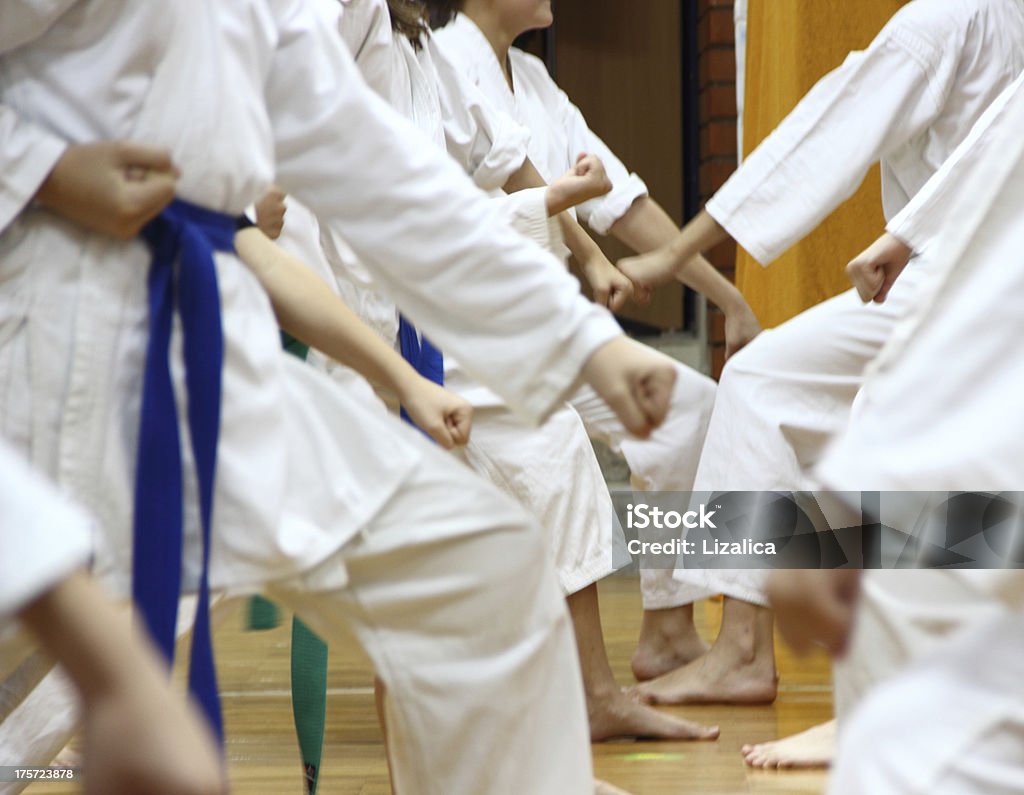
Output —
(610, 287)
(270, 211)
(584, 181)
(878, 267)
(442, 415)
(635, 381)
(112, 187)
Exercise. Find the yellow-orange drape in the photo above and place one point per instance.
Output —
(790, 45)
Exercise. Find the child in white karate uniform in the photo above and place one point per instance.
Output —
(531, 464)
(907, 101)
(953, 721)
(370, 549)
(479, 39)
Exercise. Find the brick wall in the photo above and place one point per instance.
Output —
(717, 86)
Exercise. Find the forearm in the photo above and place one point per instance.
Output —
(92, 639)
(526, 177)
(646, 226)
(581, 245)
(698, 236)
(308, 310)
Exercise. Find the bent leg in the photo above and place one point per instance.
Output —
(667, 461)
(451, 592)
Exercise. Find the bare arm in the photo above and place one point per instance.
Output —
(126, 694)
(526, 177)
(672, 258)
(307, 309)
(646, 227)
(610, 287)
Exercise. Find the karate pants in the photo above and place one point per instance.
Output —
(550, 470)
(667, 461)
(780, 401)
(451, 592)
(953, 724)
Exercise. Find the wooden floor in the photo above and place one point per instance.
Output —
(262, 750)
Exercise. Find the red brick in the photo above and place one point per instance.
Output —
(714, 172)
(718, 139)
(717, 102)
(717, 26)
(717, 65)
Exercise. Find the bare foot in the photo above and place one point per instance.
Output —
(739, 668)
(813, 748)
(668, 640)
(618, 715)
(604, 788)
(709, 681)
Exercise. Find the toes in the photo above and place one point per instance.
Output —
(642, 696)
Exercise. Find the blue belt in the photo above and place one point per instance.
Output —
(421, 354)
(182, 278)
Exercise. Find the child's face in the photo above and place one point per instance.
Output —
(524, 15)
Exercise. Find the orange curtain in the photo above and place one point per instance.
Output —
(790, 45)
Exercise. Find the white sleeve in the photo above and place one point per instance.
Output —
(875, 102)
(526, 211)
(431, 240)
(488, 144)
(924, 218)
(27, 152)
(601, 213)
(27, 156)
(365, 28)
(42, 538)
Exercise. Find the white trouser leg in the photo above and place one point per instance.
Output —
(553, 473)
(453, 595)
(951, 725)
(782, 399)
(667, 461)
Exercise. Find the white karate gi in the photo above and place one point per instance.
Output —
(939, 410)
(488, 145)
(907, 100)
(667, 461)
(526, 462)
(379, 539)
